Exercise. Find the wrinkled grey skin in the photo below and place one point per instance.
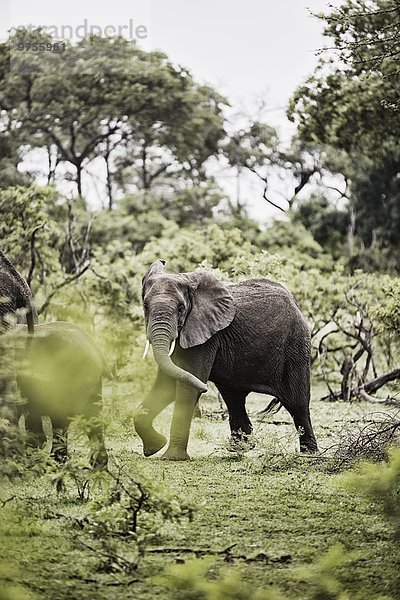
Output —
(59, 375)
(245, 337)
(14, 295)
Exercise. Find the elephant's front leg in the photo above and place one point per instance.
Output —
(161, 394)
(186, 399)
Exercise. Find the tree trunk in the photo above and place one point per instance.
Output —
(109, 181)
(78, 166)
(350, 231)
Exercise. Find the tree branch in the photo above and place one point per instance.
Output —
(61, 285)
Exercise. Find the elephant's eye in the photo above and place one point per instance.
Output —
(181, 308)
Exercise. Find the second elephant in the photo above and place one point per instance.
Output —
(15, 296)
(245, 337)
(59, 374)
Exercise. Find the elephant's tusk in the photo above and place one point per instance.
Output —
(146, 350)
(172, 348)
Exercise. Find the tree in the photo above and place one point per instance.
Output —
(366, 35)
(349, 105)
(103, 94)
(256, 148)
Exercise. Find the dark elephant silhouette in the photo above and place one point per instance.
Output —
(15, 294)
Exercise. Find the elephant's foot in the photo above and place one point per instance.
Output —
(175, 454)
(99, 459)
(152, 440)
(311, 448)
(242, 442)
(153, 443)
(60, 455)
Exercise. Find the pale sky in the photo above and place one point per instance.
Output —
(247, 50)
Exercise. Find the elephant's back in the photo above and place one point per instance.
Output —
(263, 294)
(67, 347)
(267, 336)
(267, 316)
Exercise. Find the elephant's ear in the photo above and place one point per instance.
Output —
(212, 310)
(155, 268)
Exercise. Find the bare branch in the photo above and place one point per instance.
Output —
(61, 285)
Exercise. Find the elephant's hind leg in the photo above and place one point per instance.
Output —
(59, 449)
(160, 396)
(240, 424)
(36, 436)
(98, 455)
(302, 421)
(296, 400)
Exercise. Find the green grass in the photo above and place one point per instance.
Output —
(271, 501)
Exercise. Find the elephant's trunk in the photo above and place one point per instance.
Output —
(161, 340)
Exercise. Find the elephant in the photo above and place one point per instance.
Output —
(244, 337)
(59, 374)
(15, 294)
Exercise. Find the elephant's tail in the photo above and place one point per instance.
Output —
(273, 407)
(31, 320)
(31, 316)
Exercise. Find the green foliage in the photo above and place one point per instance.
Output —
(350, 105)
(102, 95)
(293, 241)
(9, 588)
(380, 483)
(326, 223)
(12, 449)
(322, 579)
(388, 313)
(24, 210)
(190, 582)
(134, 222)
(212, 246)
(123, 516)
(254, 146)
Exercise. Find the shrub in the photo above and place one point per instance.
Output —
(380, 483)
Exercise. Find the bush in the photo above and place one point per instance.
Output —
(380, 483)
(191, 582)
(124, 513)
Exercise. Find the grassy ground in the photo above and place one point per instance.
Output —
(270, 502)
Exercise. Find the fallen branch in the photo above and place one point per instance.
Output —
(370, 442)
(391, 401)
(4, 502)
(226, 552)
(369, 388)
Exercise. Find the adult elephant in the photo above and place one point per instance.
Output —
(15, 294)
(244, 337)
(59, 374)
